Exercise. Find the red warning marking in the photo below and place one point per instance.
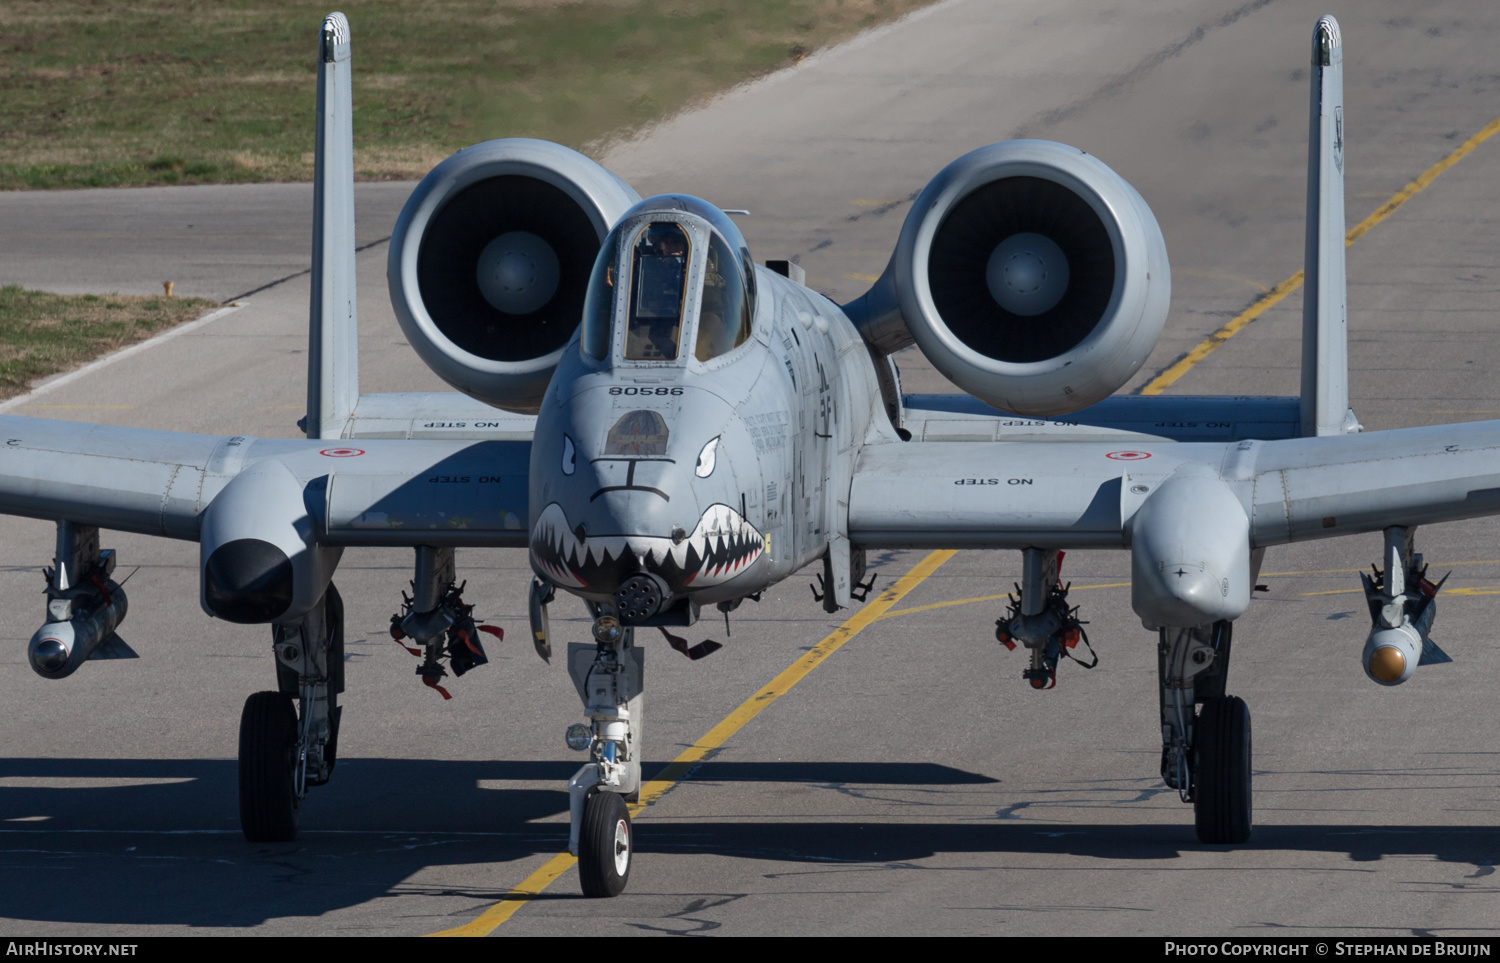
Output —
(1128, 455)
(352, 452)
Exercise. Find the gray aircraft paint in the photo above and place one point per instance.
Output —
(333, 347)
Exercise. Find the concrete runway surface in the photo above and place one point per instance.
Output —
(912, 784)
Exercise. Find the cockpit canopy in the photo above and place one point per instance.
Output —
(688, 279)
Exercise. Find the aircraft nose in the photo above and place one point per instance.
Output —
(646, 517)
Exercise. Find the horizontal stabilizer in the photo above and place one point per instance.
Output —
(1431, 654)
(114, 647)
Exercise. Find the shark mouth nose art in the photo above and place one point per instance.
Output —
(722, 546)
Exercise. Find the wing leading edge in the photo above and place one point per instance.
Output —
(375, 492)
(1084, 495)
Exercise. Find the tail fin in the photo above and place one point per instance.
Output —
(1325, 335)
(333, 354)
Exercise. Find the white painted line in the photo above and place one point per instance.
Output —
(68, 377)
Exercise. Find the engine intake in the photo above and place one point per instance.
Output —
(490, 261)
(1030, 274)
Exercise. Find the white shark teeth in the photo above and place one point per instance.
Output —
(721, 546)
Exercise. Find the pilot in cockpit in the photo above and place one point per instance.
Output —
(655, 260)
(660, 287)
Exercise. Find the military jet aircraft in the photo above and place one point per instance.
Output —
(668, 426)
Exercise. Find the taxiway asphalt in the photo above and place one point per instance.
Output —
(911, 784)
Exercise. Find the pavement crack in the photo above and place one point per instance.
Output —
(307, 270)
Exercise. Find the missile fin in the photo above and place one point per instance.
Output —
(114, 647)
(1431, 654)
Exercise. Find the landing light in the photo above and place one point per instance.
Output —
(579, 737)
(607, 629)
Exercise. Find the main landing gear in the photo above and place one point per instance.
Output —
(1205, 752)
(289, 738)
(1205, 755)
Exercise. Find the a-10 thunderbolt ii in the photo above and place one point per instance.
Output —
(670, 427)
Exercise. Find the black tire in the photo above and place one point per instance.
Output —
(606, 846)
(268, 747)
(1221, 800)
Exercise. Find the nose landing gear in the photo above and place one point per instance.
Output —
(609, 677)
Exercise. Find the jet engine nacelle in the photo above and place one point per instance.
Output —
(1030, 274)
(260, 558)
(490, 260)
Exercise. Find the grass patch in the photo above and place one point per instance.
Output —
(42, 334)
(161, 92)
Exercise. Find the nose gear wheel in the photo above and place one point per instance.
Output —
(605, 845)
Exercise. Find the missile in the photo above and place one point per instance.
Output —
(80, 626)
(1392, 653)
(1403, 605)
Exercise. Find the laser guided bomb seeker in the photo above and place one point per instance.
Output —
(669, 427)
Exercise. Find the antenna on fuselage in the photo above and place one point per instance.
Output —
(1325, 328)
(333, 349)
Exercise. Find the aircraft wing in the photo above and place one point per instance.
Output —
(373, 492)
(1084, 495)
(1309, 488)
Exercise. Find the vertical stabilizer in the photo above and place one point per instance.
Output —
(333, 352)
(1325, 345)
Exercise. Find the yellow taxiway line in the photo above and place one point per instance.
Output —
(986, 598)
(664, 781)
(1272, 297)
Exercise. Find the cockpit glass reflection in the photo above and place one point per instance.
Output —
(599, 304)
(658, 290)
(724, 319)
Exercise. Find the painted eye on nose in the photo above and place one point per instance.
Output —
(570, 456)
(706, 457)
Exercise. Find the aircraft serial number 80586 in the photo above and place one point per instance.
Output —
(667, 425)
